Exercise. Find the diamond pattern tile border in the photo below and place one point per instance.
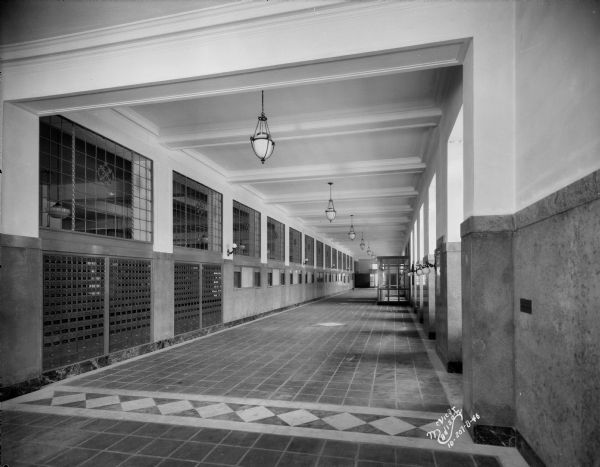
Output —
(341, 421)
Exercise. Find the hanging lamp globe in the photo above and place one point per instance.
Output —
(262, 143)
(351, 233)
(58, 211)
(362, 242)
(330, 212)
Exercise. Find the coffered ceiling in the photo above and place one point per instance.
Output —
(364, 122)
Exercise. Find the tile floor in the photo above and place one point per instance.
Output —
(340, 382)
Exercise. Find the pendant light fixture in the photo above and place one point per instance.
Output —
(262, 143)
(57, 210)
(362, 241)
(369, 251)
(330, 212)
(351, 233)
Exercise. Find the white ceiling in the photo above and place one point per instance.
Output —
(367, 135)
(363, 122)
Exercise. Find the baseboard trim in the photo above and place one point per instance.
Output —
(506, 437)
(527, 452)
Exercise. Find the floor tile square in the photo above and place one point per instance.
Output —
(422, 457)
(453, 459)
(255, 413)
(210, 435)
(177, 463)
(101, 441)
(377, 452)
(180, 432)
(71, 457)
(213, 410)
(160, 447)
(125, 427)
(274, 442)
(297, 417)
(104, 459)
(101, 402)
(340, 449)
(343, 421)
(260, 457)
(306, 445)
(62, 436)
(391, 425)
(335, 462)
(228, 455)
(141, 461)
(174, 407)
(296, 459)
(193, 451)
(68, 399)
(138, 404)
(131, 444)
(241, 438)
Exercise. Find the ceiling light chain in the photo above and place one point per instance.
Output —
(262, 143)
(330, 212)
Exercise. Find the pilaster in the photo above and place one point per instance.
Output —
(488, 323)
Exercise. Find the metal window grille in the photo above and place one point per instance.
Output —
(73, 309)
(295, 246)
(91, 184)
(130, 302)
(328, 256)
(187, 298)
(319, 254)
(275, 240)
(197, 215)
(212, 291)
(309, 250)
(334, 257)
(246, 230)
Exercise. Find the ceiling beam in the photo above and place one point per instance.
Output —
(361, 217)
(331, 227)
(293, 198)
(325, 171)
(367, 120)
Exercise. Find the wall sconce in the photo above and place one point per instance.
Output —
(420, 269)
(426, 267)
(233, 248)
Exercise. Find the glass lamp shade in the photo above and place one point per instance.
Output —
(369, 251)
(352, 235)
(330, 211)
(58, 211)
(362, 245)
(262, 145)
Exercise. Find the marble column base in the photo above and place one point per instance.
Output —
(448, 314)
(488, 325)
(21, 272)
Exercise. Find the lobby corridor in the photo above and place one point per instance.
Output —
(337, 382)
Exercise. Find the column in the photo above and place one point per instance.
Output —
(21, 263)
